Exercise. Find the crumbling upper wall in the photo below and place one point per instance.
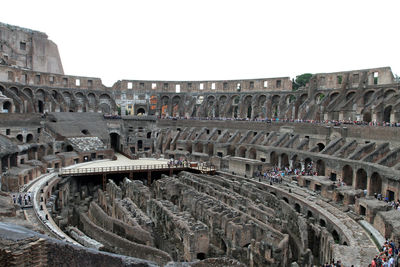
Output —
(247, 85)
(353, 78)
(15, 74)
(28, 49)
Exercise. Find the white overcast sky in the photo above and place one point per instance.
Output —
(205, 40)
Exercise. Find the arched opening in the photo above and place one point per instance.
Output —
(6, 107)
(296, 163)
(242, 152)
(297, 208)
(223, 246)
(309, 214)
(347, 175)
(367, 116)
(249, 109)
(375, 185)
(285, 199)
(274, 158)
(70, 148)
(140, 111)
(235, 112)
(361, 179)
(284, 160)
(320, 167)
(322, 223)
(20, 138)
(114, 141)
(40, 106)
(29, 138)
(201, 256)
(252, 153)
(140, 145)
(148, 135)
(335, 236)
(386, 114)
(85, 131)
(321, 146)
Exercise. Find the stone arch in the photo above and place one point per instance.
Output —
(375, 184)
(28, 92)
(349, 95)
(91, 100)
(333, 96)
(141, 111)
(20, 138)
(367, 97)
(252, 153)
(14, 90)
(242, 152)
(320, 167)
(347, 175)
(319, 97)
(336, 236)
(386, 113)
(290, 99)
(274, 158)
(164, 101)
(295, 162)
(81, 101)
(261, 100)
(29, 138)
(389, 93)
(284, 160)
(176, 100)
(361, 179)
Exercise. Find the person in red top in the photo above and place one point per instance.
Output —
(373, 262)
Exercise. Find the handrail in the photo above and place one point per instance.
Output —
(134, 168)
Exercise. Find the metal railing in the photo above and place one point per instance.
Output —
(117, 169)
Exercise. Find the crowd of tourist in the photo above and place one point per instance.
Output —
(271, 120)
(388, 255)
(276, 174)
(22, 199)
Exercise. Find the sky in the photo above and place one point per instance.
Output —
(213, 39)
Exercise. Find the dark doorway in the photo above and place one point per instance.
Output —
(201, 256)
(7, 107)
(362, 210)
(114, 141)
(390, 195)
(40, 106)
(139, 145)
(386, 114)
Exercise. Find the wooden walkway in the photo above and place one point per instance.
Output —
(131, 169)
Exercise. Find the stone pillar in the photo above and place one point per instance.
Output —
(302, 166)
(291, 163)
(279, 162)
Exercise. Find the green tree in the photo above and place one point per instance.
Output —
(301, 80)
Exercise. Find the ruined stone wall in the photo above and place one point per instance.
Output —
(132, 233)
(120, 245)
(28, 49)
